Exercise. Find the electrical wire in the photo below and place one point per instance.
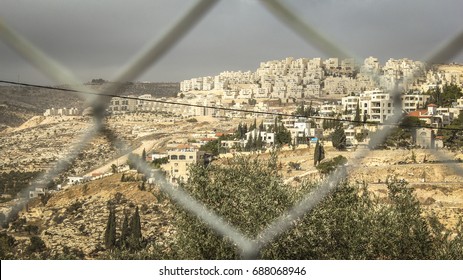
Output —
(228, 109)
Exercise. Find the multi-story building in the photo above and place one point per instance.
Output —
(122, 105)
(179, 160)
(61, 112)
(412, 102)
(330, 109)
(350, 103)
(376, 105)
(267, 137)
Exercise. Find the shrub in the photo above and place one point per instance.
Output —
(37, 245)
(329, 166)
(349, 223)
(74, 207)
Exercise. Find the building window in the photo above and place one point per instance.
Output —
(174, 157)
(183, 157)
(191, 157)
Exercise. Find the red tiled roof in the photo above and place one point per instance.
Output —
(432, 105)
(419, 113)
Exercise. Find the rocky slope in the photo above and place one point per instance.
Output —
(76, 217)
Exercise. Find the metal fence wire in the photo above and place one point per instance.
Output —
(149, 56)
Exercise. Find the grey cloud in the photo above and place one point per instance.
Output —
(96, 38)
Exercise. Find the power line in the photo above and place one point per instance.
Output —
(227, 109)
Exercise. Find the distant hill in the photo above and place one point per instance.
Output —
(18, 104)
(155, 89)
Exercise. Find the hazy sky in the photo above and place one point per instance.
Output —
(95, 38)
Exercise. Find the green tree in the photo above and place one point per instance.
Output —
(446, 96)
(125, 232)
(114, 168)
(349, 223)
(304, 111)
(135, 237)
(36, 246)
(453, 136)
(240, 132)
(143, 155)
(253, 126)
(110, 232)
(319, 153)
(7, 244)
(211, 147)
(259, 142)
(365, 117)
(331, 165)
(338, 138)
(300, 110)
(357, 115)
(249, 143)
(246, 193)
(310, 111)
(283, 136)
(402, 136)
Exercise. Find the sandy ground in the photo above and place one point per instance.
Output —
(147, 145)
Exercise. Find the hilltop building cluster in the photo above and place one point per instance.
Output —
(62, 112)
(335, 86)
(294, 79)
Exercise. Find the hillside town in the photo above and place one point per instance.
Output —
(289, 102)
(315, 113)
(331, 88)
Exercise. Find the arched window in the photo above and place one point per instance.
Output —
(173, 157)
(182, 157)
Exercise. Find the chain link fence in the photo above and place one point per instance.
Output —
(155, 50)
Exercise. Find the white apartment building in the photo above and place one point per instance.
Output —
(245, 93)
(411, 102)
(267, 137)
(144, 103)
(261, 93)
(122, 105)
(179, 160)
(350, 103)
(330, 109)
(377, 105)
(208, 83)
(301, 128)
(230, 95)
(61, 112)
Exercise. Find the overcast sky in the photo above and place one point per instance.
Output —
(96, 38)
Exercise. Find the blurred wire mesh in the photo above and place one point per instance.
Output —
(154, 51)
